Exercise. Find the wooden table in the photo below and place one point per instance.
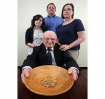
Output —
(78, 90)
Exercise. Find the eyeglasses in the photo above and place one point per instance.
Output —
(52, 39)
(67, 9)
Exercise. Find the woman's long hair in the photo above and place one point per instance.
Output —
(36, 17)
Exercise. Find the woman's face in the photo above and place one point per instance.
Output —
(67, 11)
(38, 22)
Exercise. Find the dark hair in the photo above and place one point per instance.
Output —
(72, 9)
(36, 17)
(52, 4)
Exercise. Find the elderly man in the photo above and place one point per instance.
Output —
(58, 57)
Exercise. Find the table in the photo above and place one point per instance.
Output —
(78, 90)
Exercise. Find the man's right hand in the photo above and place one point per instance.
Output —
(25, 73)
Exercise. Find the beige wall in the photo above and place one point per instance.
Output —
(28, 8)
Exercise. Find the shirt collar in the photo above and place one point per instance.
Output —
(51, 48)
(51, 16)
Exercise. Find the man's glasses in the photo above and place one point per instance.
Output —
(52, 39)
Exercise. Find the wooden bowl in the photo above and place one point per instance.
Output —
(49, 80)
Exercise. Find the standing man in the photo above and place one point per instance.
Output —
(52, 21)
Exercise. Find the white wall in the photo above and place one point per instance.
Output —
(28, 8)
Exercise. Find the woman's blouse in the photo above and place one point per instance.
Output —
(37, 36)
(68, 33)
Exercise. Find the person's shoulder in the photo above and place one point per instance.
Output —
(77, 20)
(39, 47)
(58, 17)
(59, 25)
(30, 28)
(57, 46)
(36, 49)
(45, 17)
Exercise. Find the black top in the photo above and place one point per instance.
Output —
(68, 33)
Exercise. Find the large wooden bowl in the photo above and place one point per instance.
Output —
(49, 80)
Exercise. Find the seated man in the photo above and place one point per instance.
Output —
(57, 57)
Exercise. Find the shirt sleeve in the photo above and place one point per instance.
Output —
(79, 25)
(26, 67)
(76, 69)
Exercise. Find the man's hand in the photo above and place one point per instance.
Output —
(73, 71)
(25, 73)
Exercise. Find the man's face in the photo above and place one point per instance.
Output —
(51, 9)
(49, 40)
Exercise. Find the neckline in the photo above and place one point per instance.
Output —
(68, 22)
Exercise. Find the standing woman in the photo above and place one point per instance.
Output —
(34, 34)
(71, 33)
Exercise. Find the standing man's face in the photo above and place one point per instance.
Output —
(51, 10)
